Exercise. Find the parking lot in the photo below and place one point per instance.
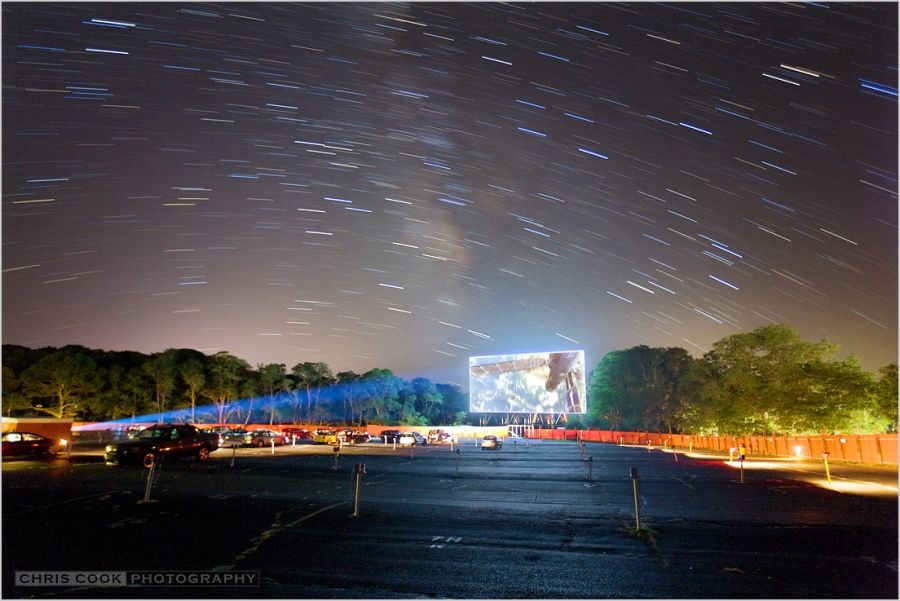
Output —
(549, 520)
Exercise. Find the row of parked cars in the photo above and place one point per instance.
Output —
(184, 440)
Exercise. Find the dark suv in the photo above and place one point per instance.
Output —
(162, 440)
(390, 435)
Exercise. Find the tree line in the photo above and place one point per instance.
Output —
(768, 381)
(184, 384)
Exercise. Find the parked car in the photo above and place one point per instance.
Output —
(491, 442)
(438, 436)
(352, 436)
(162, 441)
(373, 438)
(420, 440)
(406, 439)
(390, 435)
(322, 436)
(254, 438)
(28, 443)
(298, 433)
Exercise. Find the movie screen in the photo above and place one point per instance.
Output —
(527, 383)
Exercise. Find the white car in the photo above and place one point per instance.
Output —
(407, 439)
(491, 442)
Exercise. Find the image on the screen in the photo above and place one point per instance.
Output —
(527, 383)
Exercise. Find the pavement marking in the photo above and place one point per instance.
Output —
(270, 532)
(76, 499)
(683, 482)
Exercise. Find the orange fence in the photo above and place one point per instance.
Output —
(874, 449)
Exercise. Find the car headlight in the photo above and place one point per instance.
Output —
(111, 448)
(63, 442)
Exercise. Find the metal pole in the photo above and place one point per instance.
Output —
(356, 498)
(233, 451)
(590, 469)
(742, 469)
(150, 473)
(457, 463)
(359, 469)
(637, 507)
(827, 471)
(273, 446)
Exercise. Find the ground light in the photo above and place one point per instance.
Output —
(838, 484)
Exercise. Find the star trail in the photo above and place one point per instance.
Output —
(406, 185)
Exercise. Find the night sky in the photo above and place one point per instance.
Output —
(406, 185)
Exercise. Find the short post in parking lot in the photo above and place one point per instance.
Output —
(451, 445)
(590, 469)
(457, 462)
(637, 506)
(394, 448)
(359, 469)
(827, 471)
(337, 454)
(150, 475)
(233, 452)
(273, 446)
(411, 447)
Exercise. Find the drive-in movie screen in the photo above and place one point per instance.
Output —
(527, 383)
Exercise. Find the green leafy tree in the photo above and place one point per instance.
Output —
(349, 389)
(312, 377)
(161, 369)
(273, 381)
(226, 373)
(637, 388)
(65, 378)
(453, 403)
(884, 396)
(137, 390)
(193, 375)
(381, 389)
(771, 380)
(13, 399)
(428, 400)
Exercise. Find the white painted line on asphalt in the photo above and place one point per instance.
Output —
(683, 482)
(269, 533)
(76, 499)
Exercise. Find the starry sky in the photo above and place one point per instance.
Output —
(406, 185)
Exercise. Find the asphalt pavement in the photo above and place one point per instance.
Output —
(546, 520)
